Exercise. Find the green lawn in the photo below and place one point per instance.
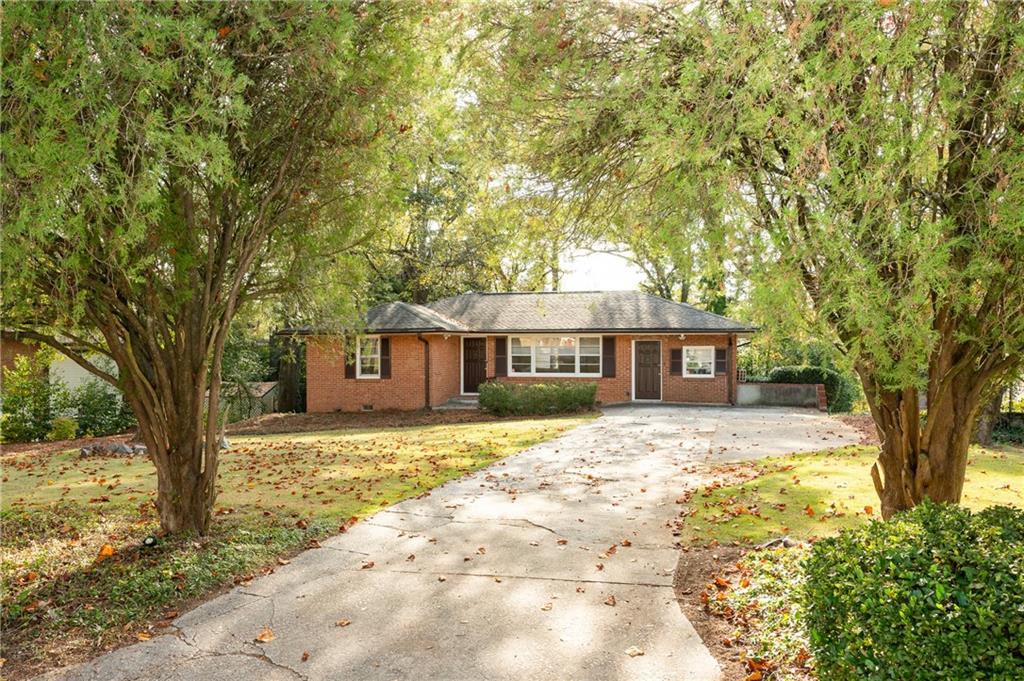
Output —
(278, 494)
(817, 494)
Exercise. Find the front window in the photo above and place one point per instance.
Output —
(522, 355)
(368, 361)
(555, 355)
(699, 362)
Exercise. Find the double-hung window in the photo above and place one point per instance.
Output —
(368, 360)
(555, 356)
(699, 361)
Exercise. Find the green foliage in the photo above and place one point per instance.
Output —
(840, 389)
(246, 360)
(62, 428)
(1009, 429)
(30, 398)
(527, 399)
(937, 592)
(100, 409)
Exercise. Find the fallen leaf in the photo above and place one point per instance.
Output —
(610, 600)
(367, 564)
(143, 636)
(869, 510)
(633, 651)
(342, 623)
(106, 551)
(266, 635)
(809, 511)
(546, 607)
(305, 655)
(753, 676)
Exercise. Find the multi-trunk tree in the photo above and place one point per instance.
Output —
(168, 164)
(874, 151)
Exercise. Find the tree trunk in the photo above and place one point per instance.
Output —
(987, 420)
(915, 461)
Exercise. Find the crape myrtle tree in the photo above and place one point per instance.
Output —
(876, 149)
(166, 164)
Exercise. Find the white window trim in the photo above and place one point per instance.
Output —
(546, 374)
(686, 373)
(359, 357)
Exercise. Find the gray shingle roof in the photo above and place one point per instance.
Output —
(408, 317)
(550, 311)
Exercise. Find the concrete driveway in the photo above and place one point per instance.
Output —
(509, 573)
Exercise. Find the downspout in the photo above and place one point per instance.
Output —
(426, 370)
(732, 368)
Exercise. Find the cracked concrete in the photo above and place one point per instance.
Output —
(502, 574)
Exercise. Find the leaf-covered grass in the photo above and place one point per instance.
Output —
(277, 494)
(814, 495)
(760, 597)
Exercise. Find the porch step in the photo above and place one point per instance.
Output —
(460, 402)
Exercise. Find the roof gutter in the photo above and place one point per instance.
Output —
(426, 370)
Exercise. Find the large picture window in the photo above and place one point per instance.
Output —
(368, 360)
(699, 362)
(555, 356)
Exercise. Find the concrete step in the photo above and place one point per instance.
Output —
(461, 402)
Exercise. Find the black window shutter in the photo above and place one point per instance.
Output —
(501, 356)
(350, 363)
(721, 361)
(608, 356)
(385, 357)
(675, 367)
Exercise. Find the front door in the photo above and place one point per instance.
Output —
(648, 370)
(474, 364)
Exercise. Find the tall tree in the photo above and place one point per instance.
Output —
(877, 148)
(168, 163)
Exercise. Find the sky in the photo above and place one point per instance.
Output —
(599, 272)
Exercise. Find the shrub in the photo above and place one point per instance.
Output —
(100, 409)
(537, 398)
(841, 390)
(62, 428)
(935, 593)
(30, 398)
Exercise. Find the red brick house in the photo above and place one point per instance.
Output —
(635, 346)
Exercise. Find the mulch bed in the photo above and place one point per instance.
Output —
(864, 425)
(697, 566)
(64, 445)
(298, 423)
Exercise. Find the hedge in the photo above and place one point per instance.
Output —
(537, 398)
(935, 593)
(840, 390)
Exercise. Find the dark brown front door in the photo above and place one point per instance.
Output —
(648, 370)
(474, 364)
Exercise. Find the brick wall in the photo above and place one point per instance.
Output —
(445, 355)
(327, 389)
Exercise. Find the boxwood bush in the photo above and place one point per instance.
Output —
(529, 399)
(935, 593)
(841, 390)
